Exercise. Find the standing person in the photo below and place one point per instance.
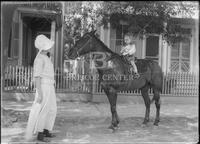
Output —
(129, 50)
(44, 109)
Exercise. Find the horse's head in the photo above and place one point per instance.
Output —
(82, 46)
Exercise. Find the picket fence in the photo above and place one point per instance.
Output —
(20, 79)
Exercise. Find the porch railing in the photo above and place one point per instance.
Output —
(20, 79)
(174, 84)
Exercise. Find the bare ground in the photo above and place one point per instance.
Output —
(79, 122)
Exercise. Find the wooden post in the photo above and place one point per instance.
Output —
(62, 34)
(20, 59)
(53, 50)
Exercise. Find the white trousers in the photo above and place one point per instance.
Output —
(47, 115)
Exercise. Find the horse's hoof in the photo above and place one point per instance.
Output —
(114, 128)
(155, 123)
(145, 122)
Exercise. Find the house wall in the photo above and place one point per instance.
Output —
(139, 48)
(196, 48)
(7, 18)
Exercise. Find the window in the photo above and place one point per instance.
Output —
(119, 41)
(120, 31)
(152, 47)
(180, 56)
(9, 44)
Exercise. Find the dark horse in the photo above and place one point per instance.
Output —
(150, 75)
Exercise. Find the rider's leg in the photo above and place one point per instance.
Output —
(134, 66)
(137, 75)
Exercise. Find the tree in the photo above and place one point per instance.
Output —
(142, 16)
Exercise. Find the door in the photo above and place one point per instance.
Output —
(180, 56)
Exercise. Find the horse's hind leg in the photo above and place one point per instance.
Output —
(157, 103)
(147, 102)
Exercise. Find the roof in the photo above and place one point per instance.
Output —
(50, 14)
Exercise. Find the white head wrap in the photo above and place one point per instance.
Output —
(43, 43)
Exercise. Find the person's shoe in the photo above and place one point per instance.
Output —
(41, 137)
(47, 133)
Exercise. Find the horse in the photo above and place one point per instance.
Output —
(151, 75)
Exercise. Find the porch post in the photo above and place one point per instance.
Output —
(62, 36)
(53, 51)
(93, 72)
(20, 59)
(164, 54)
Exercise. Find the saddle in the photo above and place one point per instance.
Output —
(131, 69)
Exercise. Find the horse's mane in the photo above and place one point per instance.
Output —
(113, 54)
(104, 46)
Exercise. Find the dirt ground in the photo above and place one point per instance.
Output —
(79, 122)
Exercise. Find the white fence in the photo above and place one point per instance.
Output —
(20, 79)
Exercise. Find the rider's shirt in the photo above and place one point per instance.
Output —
(128, 50)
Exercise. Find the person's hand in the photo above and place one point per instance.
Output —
(123, 50)
(40, 98)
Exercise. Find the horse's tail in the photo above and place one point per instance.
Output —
(156, 95)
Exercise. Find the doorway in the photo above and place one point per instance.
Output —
(32, 26)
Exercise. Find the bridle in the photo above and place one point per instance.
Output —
(89, 41)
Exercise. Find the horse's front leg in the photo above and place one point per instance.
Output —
(112, 97)
(147, 102)
(157, 103)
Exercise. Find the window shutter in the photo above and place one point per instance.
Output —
(152, 47)
(15, 34)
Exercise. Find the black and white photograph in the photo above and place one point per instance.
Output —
(99, 72)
